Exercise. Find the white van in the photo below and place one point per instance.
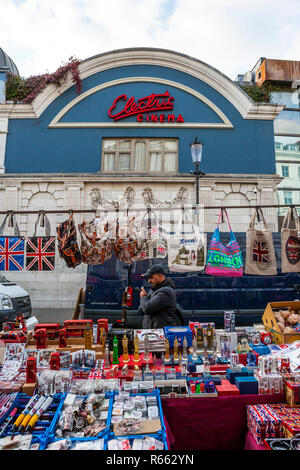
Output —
(13, 300)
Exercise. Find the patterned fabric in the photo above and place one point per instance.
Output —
(11, 253)
(68, 248)
(224, 260)
(260, 252)
(40, 253)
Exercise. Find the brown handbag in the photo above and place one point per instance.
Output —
(95, 243)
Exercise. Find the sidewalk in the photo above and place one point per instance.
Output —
(52, 315)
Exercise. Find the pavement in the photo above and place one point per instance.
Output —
(52, 315)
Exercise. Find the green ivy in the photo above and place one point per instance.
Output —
(262, 94)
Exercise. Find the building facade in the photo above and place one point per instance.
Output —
(126, 137)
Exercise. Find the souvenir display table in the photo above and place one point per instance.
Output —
(81, 386)
(224, 421)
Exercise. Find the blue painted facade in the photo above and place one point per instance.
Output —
(32, 147)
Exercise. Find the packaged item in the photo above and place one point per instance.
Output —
(63, 444)
(149, 443)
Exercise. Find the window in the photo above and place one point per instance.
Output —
(285, 171)
(299, 173)
(288, 197)
(287, 122)
(140, 155)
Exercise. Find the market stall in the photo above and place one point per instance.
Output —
(84, 385)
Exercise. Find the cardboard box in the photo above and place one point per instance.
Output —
(247, 385)
(147, 427)
(29, 389)
(292, 394)
(271, 324)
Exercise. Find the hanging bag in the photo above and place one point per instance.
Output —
(127, 242)
(154, 243)
(290, 243)
(11, 248)
(260, 253)
(68, 248)
(224, 260)
(40, 250)
(95, 242)
(186, 252)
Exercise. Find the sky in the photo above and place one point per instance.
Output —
(230, 35)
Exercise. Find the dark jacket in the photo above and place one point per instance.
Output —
(159, 306)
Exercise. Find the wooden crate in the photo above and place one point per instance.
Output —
(290, 396)
(271, 324)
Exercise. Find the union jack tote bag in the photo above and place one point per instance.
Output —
(40, 250)
(290, 243)
(260, 253)
(11, 248)
(68, 248)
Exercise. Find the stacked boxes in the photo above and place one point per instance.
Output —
(263, 422)
(226, 389)
(290, 418)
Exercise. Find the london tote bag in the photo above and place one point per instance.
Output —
(260, 253)
(224, 260)
(186, 252)
(290, 243)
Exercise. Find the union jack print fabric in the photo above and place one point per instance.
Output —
(261, 252)
(11, 253)
(40, 254)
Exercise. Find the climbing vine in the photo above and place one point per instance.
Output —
(24, 90)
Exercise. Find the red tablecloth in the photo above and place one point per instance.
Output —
(251, 444)
(210, 423)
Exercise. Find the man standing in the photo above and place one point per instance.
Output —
(159, 305)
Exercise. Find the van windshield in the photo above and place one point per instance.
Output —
(3, 278)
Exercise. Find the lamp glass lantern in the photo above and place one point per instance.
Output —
(196, 151)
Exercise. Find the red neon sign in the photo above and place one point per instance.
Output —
(148, 104)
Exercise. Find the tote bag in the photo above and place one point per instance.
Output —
(186, 252)
(224, 260)
(154, 243)
(290, 243)
(68, 248)
(260, 253)
(126, 242)
(40, 250)
(11, 248)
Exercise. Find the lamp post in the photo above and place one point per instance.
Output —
(196, 152)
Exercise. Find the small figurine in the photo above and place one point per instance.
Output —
(209, 337)
(136, 356)
(167, 354)
(194, 345)
(146, 353)
(185, 353)
(115, 351)
(200, 337)
(107, 356)
(176, 356)
(125, 348)
(103, 341)
(88, 337)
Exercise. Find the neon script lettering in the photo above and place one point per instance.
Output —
(148, 104)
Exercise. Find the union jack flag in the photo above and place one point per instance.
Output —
(40, 253)
(11, 254)
(261, 252)
(95, 374)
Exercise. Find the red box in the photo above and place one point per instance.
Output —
(226, 388)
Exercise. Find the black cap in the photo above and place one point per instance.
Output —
(154, 269)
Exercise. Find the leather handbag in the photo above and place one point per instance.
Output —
(95, 243)
(68, 248)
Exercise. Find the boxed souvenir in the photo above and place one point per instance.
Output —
(292, 393)
(226, 389)
(179, 332)
(247, 385)
(263, 422)
(281, 319)
(172, 388)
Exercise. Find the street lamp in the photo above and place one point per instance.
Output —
(196, 151)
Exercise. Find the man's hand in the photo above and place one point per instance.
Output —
(143, 292)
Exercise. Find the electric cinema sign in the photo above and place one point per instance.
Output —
(146, 109)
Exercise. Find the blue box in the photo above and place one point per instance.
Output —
(232, 374)
(247, 385)
(179, 332)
